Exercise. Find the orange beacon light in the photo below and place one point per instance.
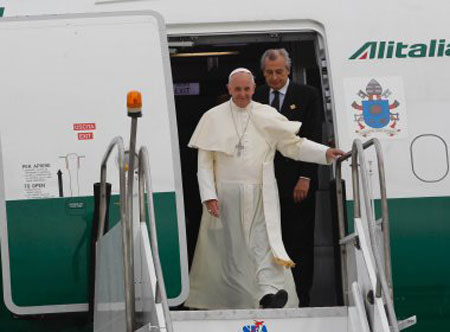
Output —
(134, 104)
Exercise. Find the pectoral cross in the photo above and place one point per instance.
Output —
(239, 147)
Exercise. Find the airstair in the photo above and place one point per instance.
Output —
(129, 287)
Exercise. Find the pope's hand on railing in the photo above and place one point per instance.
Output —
(333, 154)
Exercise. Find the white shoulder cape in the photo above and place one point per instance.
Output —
(215, 130)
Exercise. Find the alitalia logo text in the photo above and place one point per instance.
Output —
(393, 49)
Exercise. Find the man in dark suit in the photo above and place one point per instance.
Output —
(297, 181)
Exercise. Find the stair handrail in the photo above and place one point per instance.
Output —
(385, 225)
(125, 224)
(357, 153)
(341, 222)
(381, 282)
(116, 141)
(145, 183)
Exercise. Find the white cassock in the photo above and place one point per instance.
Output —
(240, 257)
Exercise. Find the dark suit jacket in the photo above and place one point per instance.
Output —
(301, 103)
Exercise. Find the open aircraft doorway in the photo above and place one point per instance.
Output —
(200, 68)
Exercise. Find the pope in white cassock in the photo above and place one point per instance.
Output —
(240, 261)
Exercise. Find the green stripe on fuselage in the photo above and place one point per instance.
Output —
(49, 247)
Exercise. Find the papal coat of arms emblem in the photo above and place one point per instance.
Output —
(375, 112)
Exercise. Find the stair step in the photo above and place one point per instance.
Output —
(286, 320)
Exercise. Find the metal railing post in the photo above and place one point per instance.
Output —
(134, 105)
(126, 244)
(145, 183)
(385, 227)
(341, 225)
(115, 142)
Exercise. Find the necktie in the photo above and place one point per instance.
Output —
(276, 100)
